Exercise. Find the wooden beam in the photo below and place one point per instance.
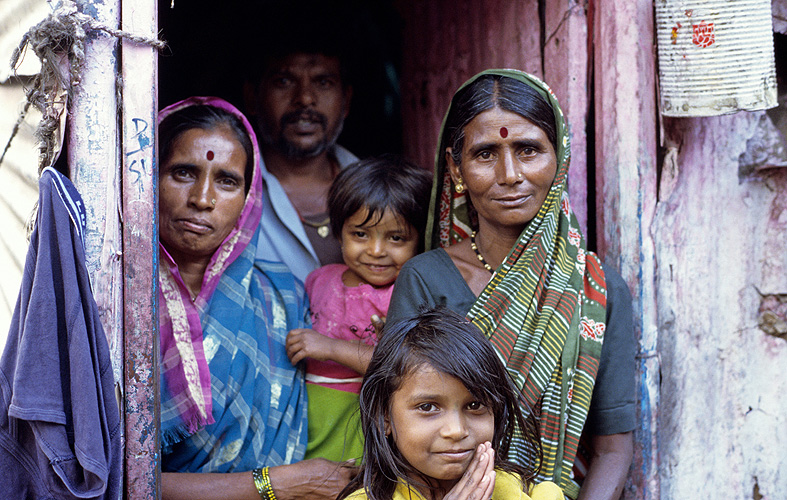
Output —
(140, 241)
(625, 110)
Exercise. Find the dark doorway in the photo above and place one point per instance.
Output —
(213, 46)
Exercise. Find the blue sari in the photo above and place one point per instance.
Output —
(231, 401)
(259, 398)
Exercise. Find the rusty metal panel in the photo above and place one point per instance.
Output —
(140, 256)
(715, 57)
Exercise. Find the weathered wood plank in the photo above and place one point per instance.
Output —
(566, 72)
(445, 43)
(94, 163)
(140, 258)
(626, 172)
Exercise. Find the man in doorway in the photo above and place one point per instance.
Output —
(299, 101)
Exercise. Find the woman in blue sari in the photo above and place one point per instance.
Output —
(233, 408)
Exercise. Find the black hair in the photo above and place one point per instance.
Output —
(204, 117)
(451, 345)
(495, 91)
(380, 183)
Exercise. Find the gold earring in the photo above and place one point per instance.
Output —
(459, 188)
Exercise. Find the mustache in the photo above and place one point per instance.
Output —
(304, 114)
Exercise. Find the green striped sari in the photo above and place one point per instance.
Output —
(544, 309)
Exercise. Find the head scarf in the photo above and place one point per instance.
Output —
(235, 325)
(544, 309)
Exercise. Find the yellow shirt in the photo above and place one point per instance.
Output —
(507, 487)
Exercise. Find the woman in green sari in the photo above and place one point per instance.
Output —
(509, 254)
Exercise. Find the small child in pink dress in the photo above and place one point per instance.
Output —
(378, 207)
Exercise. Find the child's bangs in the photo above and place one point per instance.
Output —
(473, 368)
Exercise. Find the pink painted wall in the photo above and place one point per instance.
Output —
(453, 40)
(721, 262)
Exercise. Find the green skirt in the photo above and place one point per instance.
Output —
(334, 424)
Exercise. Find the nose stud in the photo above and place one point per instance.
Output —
(519, 176)
(213, 202)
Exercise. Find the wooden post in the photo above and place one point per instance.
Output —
(140, 243)
(93, 159)
(123, 261)
(626, 196)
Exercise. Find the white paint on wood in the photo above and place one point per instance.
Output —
(95, 165)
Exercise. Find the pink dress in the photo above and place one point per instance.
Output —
(342, 312)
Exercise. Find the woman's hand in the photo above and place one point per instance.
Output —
(316, 478)
(478, 481)
(306, 343)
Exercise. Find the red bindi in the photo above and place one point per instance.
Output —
(503, 132)
(210, 155)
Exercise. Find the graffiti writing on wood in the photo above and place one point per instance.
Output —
(138, 166)
(135, 169)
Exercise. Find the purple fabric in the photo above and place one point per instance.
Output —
(184, 368)
(343, 312)
(59, 424)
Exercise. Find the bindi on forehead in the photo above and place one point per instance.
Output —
(503, 132)
(210, 155)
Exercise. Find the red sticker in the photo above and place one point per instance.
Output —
(703, 34)
(503, 132)
(210, 155)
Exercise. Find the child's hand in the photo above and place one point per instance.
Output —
(306, 343)
(378, 323)
(478, 481)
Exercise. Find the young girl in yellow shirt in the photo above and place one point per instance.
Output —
(438, 412)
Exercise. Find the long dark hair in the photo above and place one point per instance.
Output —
(379, 183)
(495, 91)
(204, 117)
(454, 346)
